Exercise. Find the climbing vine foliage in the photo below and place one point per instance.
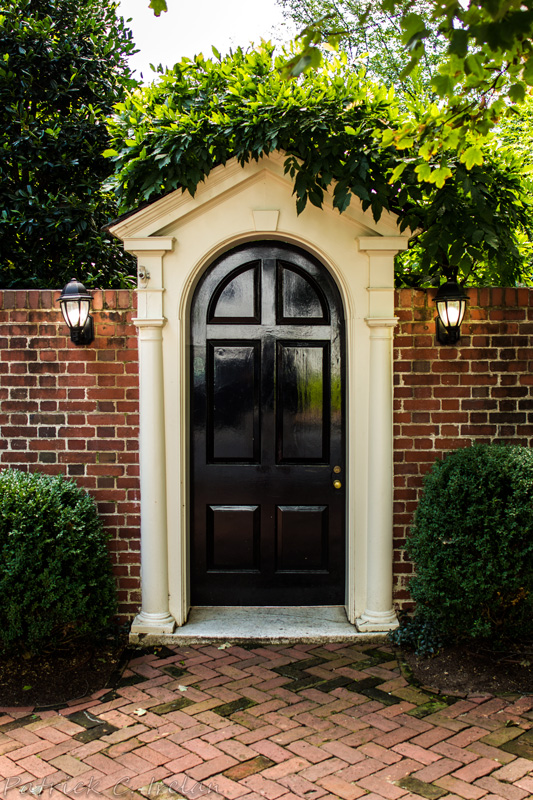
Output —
(331, 124)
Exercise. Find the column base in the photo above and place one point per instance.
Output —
(145, 622)
(377, 621)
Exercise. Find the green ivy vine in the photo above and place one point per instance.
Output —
(335, 128)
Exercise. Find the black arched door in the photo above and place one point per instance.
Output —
(267, 431)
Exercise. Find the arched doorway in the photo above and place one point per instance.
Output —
(175, 239)
(268, 500)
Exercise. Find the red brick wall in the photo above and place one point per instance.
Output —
(447, 397)
(74, 410)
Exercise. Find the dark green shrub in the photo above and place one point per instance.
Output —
(55, 573)
(417, 633)
(63, 66)
(472, 544)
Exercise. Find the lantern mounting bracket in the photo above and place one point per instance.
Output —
(445, 335)
(143, 275)
(85, 335)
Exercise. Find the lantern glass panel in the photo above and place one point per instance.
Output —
(451, 312)
(71, 312)
(75, 312)
(85, 306)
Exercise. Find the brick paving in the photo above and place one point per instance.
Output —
(277, 722)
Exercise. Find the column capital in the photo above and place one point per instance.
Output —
(154, 245)
(383, 244)
(381, 322)
(141, 322)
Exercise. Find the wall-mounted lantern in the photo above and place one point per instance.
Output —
(451, 306)
(75, 303)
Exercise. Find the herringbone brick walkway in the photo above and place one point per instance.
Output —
(278, 722)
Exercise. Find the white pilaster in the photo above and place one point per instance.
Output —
(379, 613)
(154, 617)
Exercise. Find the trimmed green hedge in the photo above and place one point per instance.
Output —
(55, 572)
(472, 546)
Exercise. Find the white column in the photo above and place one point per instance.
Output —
(154, 617)
(379, 614)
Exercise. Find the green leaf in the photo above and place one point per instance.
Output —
(459, 42)
(342, 200)
(414, 27)
(528, 71)
(471, 156)
(443, 84)
(423, 171)
(410, 66)
(440, 175)
(158, 6)
(297, 65)
(474, 65)
(405, 142)
(301, 204)
(517, 92)
(398, 171)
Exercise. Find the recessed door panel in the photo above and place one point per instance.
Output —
(302, 403)
(302, 539)
(233, 408)
(237, 297)
(267, 430)
(232, 538)
(299, 299)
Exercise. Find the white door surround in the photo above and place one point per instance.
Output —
(175, 239)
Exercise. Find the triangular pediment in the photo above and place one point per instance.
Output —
(162, 216)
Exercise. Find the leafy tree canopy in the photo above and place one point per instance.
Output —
(375, 39)
(487, 67)
(469, 219)
(62, 67)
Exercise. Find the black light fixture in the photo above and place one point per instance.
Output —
(451, 306)
(75, 303)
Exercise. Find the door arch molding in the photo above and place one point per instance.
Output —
(183, 306)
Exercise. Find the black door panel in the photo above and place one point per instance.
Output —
(267, 523)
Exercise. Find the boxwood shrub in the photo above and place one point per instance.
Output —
(472, 546)
(55, 572)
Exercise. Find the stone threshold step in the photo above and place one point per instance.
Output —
(264, 625)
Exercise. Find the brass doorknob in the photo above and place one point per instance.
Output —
(337, 484)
